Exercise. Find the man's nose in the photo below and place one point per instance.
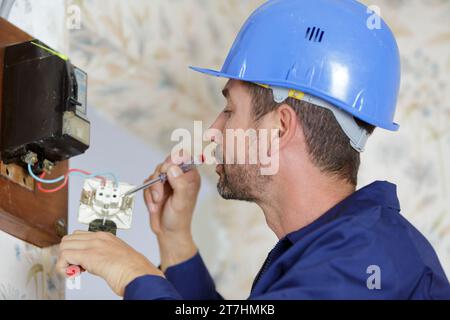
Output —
(218, 125)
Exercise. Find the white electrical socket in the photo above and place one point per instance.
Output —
(105, 201)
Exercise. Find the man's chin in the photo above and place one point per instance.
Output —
(219, 169)
(230, 187)
(223, 189)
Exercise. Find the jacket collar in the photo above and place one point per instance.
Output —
(379, 193)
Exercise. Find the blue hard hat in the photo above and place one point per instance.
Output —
(330, 49)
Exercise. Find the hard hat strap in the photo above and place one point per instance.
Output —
(358, 136)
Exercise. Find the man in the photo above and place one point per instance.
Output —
(318, 74)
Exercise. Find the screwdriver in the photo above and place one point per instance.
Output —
(162, 178)
(74, 271)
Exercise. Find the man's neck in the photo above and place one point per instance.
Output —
(299, 199)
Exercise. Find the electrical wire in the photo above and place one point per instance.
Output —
(35, 177)
(88, 175)
(62, 186)
(65, 178)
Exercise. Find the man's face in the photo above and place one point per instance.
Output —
(239, 177)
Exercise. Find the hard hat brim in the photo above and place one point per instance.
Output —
(388, 126)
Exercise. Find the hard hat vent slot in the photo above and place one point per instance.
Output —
(314, 34)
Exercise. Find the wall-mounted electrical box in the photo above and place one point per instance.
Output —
(42, 122)
(44, 105)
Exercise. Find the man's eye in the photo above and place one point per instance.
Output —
(227, 112)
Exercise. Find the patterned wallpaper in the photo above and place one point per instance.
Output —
(28, 272)
(137, 53)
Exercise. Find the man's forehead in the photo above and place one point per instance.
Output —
(229, 85)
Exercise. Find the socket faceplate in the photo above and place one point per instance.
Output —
(99, 201)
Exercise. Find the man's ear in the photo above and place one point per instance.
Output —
(288, 124)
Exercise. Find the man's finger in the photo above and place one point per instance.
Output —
(185, 157)
(68, 258)
(84, 236)
(81, 232)
(77, 244)
(156, 191)
(184, 186)
(80, 235)
(155, 173)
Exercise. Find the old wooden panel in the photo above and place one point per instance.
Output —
(26, 213)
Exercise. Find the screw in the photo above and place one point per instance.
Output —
(61, 227)
(30, 158)
(48, 166)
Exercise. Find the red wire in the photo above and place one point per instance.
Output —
(86, 173)
(66, 179)
(62, 186)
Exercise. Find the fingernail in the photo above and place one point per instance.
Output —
(175, 172)
(155, 195)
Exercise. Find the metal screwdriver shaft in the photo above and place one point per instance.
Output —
(162, 178)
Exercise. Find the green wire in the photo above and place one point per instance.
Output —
(64, 57)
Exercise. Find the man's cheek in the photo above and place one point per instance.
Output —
(228, 153)
(227, 149)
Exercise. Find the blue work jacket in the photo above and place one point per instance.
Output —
(362, 248)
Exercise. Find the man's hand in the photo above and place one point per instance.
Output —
(106, 256)
(171, 207)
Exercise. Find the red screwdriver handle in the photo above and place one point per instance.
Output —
(74, 271)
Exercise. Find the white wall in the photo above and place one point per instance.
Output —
(42, 19)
